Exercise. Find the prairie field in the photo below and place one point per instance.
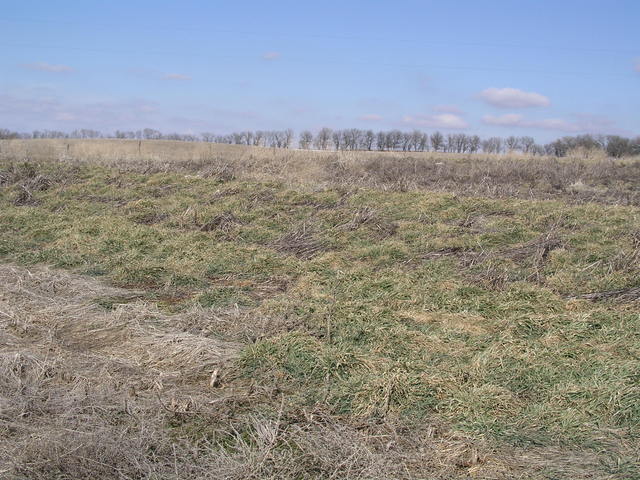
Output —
(176, 310)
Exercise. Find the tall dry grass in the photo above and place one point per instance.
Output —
(583, 176)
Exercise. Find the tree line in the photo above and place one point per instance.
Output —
(356, 139)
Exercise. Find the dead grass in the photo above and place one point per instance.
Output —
(619, 295)
(301, 242)
(88, 393)
(576, 178)
(380, 226)
(224, 222)
(310, 332)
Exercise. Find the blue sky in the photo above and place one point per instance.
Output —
(540, 68)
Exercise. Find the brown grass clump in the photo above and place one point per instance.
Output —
(535, 253)
(301, 242)
(24, 197)
(26, 180)
(223, 222)
(619, 295)
(490, 263)
(538, 249)
(381, 227)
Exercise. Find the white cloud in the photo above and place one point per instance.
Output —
(48, 67)
(513, 98)
(442, 120)
(176, 76)
(271, 55)
(370, 117)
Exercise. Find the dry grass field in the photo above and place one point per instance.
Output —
(179, 311)
(584, 176)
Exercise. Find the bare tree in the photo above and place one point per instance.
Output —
(336, 137)
(238, 138)
(424, 142)
(416, 139)
(474, 143)
(527, 144)
(450, 143)
(405, 141)
(492, 145)
(259, 138)
(368, 140)
(288, 138)
(9, 135)
(394, 140)
(460, 142)
(512, 143)
(618, 146)
(352, 138)
(323, 138)
(437, 141)
(151, 134)
(306, 139)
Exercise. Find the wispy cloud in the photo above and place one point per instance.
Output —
(442, 120)
(176, 76)
(65, 117)
(53, 112)
(581, 123)
(517, 120)
(447, 109)
(636, 65)
(271, 56)
(371, 117)
(48, 67)
(513, 98)
(506, 120)
(29, 109)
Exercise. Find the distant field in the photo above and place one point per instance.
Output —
(583, 177)
(233, 312)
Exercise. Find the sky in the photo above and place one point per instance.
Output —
(494, 67)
